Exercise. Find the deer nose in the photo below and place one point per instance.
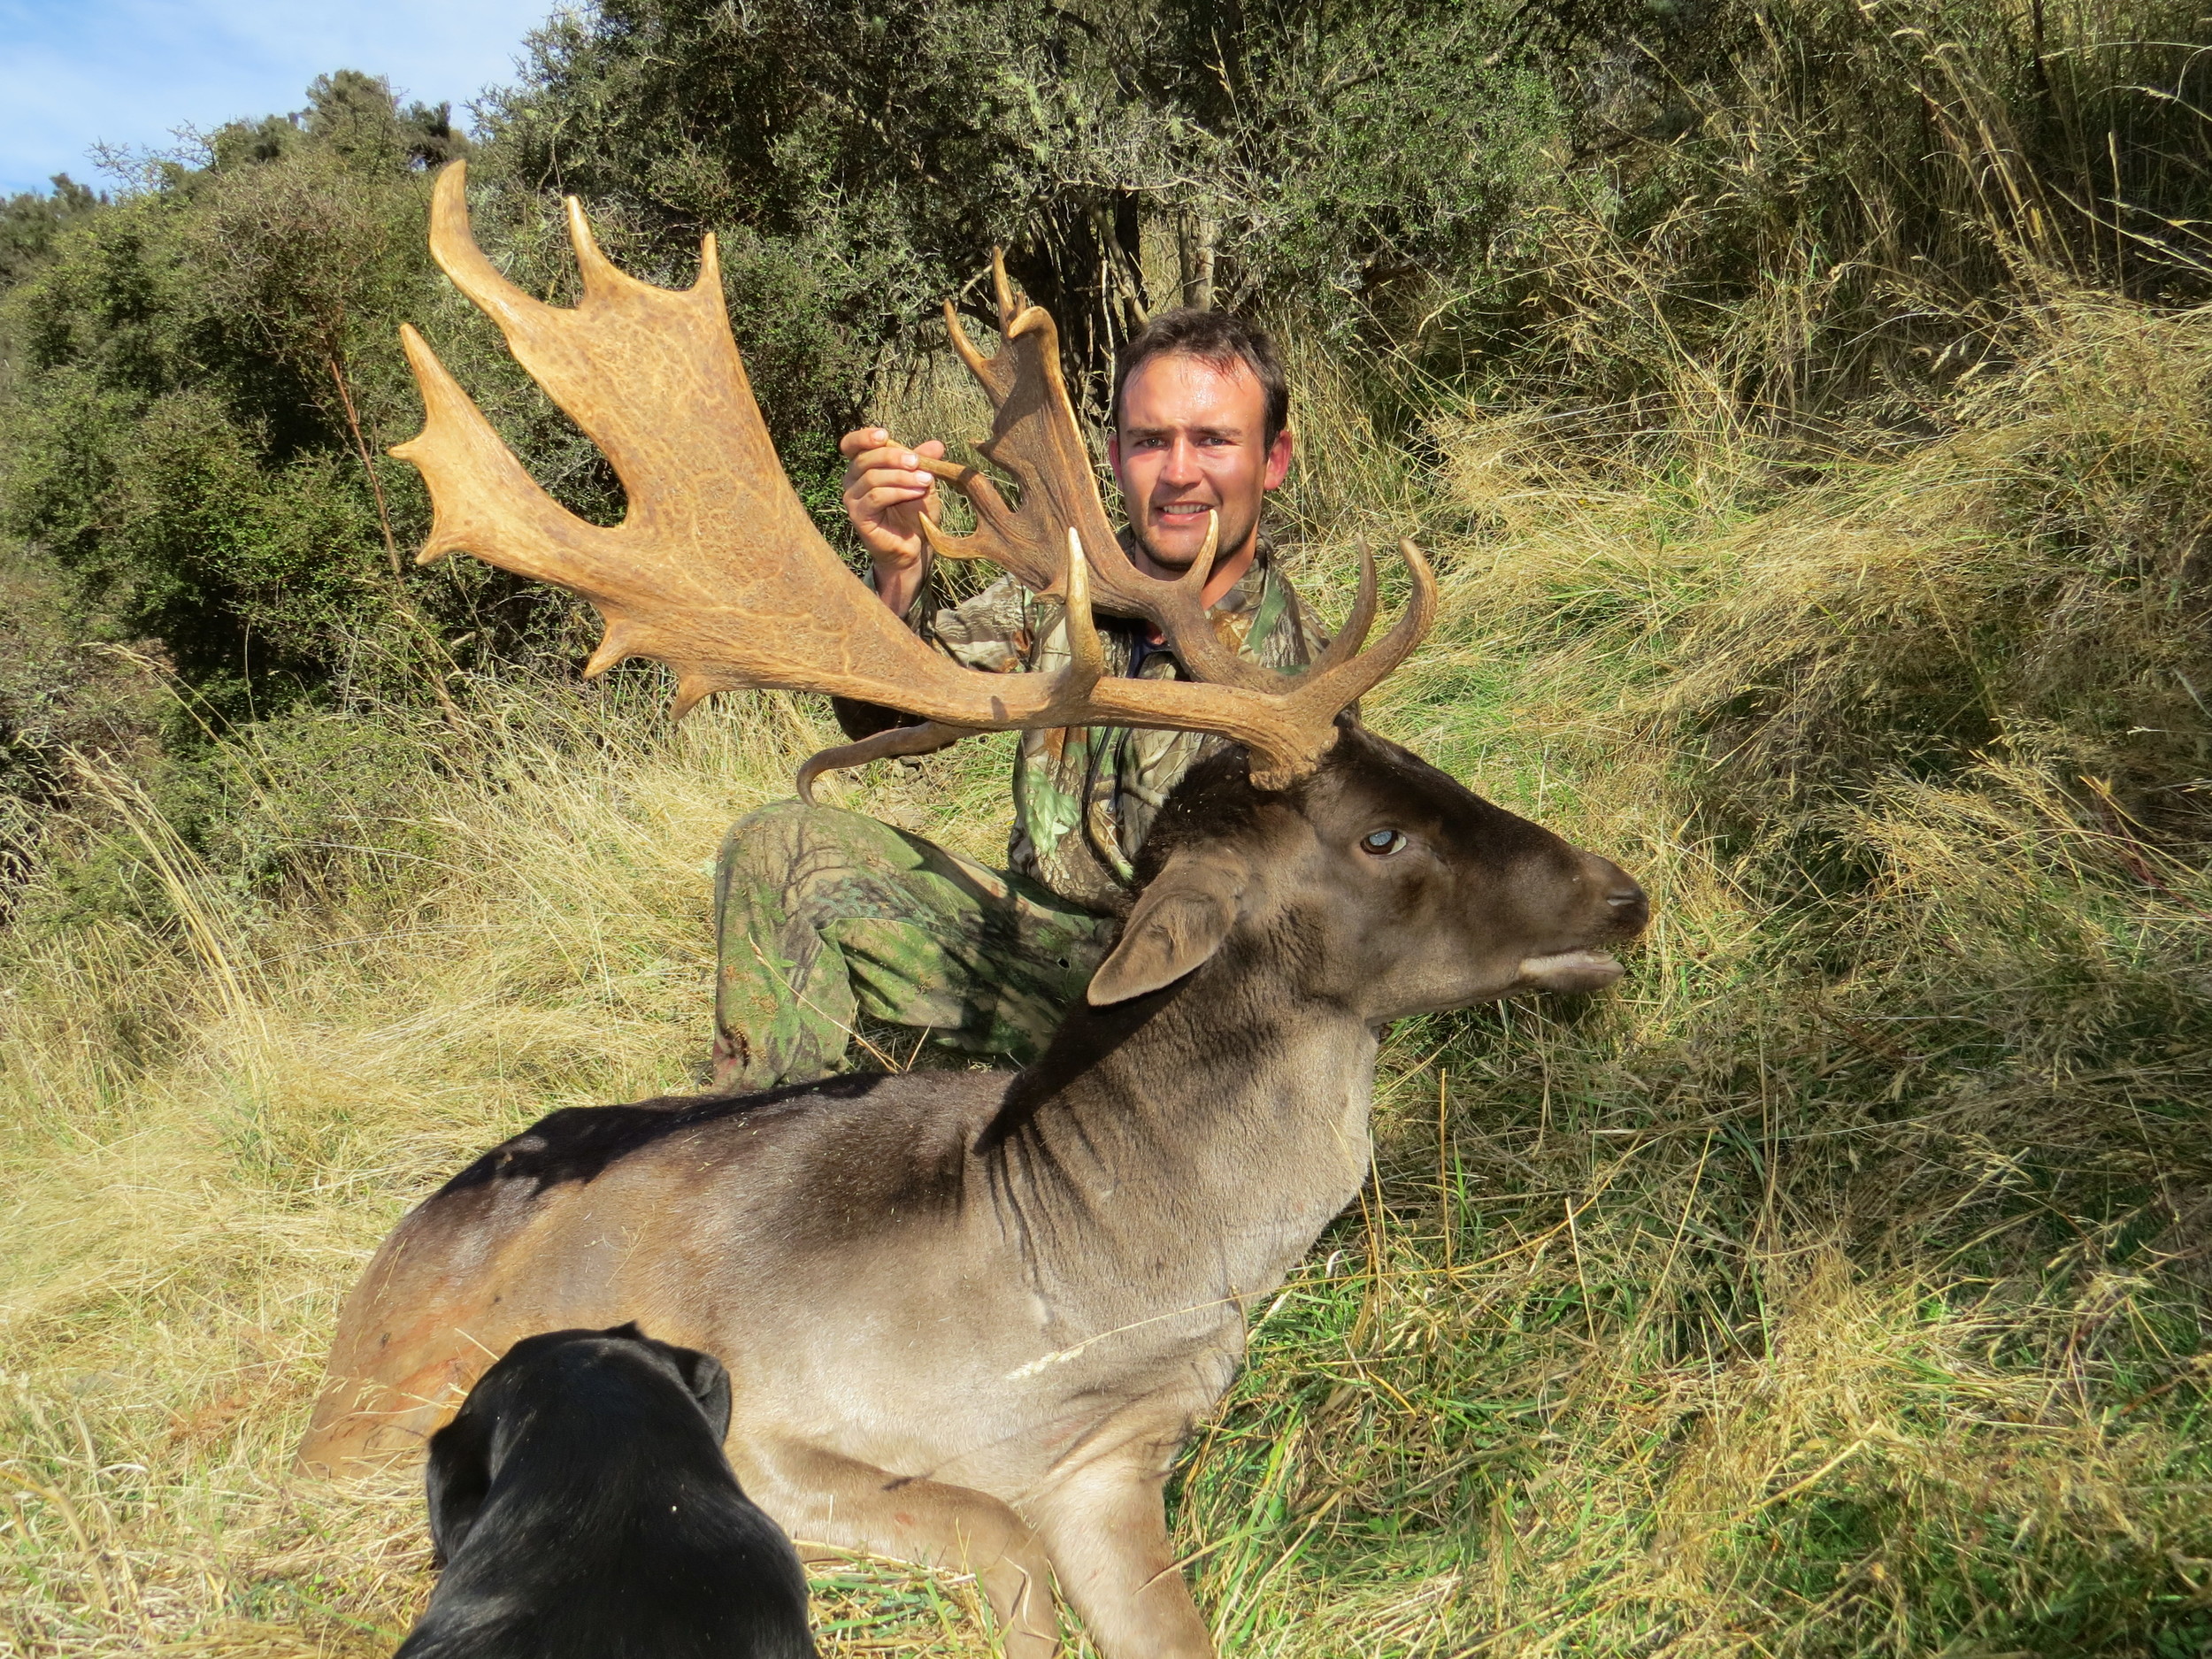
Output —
(1624, 901)
(1630, 909)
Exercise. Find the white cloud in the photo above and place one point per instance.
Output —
(77, 72)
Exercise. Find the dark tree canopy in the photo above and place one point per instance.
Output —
(1295, 153)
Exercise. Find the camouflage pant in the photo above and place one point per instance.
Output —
(822, 916)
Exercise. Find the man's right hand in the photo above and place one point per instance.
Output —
(887, 496)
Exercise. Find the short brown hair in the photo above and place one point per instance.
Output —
(1219, 338)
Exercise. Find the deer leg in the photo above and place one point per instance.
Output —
(1105, 1529)
(823, 1498)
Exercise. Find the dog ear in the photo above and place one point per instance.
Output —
(709, 1385)
(1180, 921)
(455, 1480)
(629, 1333)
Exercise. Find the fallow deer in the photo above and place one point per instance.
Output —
(968, 1318)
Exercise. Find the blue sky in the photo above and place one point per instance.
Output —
(76, 72)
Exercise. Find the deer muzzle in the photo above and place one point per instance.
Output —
(1620, 912)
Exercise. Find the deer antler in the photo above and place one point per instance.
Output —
(717, 570)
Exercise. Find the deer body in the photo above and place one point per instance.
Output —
(887, 1282)
(969, 1318)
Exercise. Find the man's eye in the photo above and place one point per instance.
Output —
(1381, 842)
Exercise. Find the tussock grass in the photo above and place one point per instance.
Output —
(1836, 1285)
(1832, 1287)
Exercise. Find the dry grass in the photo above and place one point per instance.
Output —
(1836, 1286)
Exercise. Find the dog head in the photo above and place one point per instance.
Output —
(558, 1372)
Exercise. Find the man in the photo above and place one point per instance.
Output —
(821, 916)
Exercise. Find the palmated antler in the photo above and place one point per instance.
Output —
(717, 570)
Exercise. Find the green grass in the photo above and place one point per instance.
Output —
(1835, 1285)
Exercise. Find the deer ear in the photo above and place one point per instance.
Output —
(1180, 921)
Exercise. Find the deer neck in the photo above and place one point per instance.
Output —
(1192, 1143)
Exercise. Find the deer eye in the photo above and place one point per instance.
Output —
(1382, 842)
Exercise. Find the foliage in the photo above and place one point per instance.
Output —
(353, 116)
(204, 385)
(64, 704)
(1833, 1288)
(29, 222)
(1798, 217)
(1312, 150)
(1819, 208)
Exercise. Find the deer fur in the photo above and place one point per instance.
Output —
(969, 1318)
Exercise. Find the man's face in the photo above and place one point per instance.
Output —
(1192, 438)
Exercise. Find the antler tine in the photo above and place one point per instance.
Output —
(453, 245)
(1344, 680)
(1087, 652)
(604, 281)
(926, 738)
(1352, 634)
(1302, 721)
(1286, 730)
(1087, 665)
(994, 538)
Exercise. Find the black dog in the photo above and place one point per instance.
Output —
(582, 1509)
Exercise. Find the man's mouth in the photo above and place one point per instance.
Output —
(1184, 512)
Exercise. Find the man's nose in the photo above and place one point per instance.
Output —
(1182, 462)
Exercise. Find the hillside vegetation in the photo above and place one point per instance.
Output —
(1808, 407)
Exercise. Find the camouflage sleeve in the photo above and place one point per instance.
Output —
(990, 630)
(993, 631)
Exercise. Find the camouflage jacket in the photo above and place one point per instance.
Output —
(1084, 797)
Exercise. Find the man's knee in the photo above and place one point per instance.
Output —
(784, 831)
(778, 826)
(797, 860)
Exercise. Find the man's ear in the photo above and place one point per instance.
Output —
(1180, 921)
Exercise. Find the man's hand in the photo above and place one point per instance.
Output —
(887, 496)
